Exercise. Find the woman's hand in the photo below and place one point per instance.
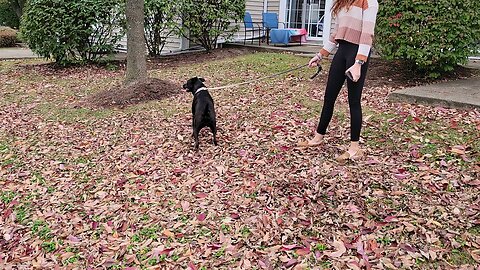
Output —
(356, 71)
(315, 61)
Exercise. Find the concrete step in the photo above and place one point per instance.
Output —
(463, 94)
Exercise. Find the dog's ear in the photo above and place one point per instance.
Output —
(201, 79)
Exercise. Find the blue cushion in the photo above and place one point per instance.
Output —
(270, 20)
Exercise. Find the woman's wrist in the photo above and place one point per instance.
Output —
(319, 56)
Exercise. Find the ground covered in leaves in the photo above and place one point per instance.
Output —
(113, 188)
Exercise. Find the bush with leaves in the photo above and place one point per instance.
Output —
(433, 35)
(161, 20)
(73, 31)
(203, 22)
(8, 17)
(8, 37)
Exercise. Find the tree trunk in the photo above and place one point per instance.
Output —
(136, 53)
(17, 6)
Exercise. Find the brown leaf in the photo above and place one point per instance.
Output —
(168, 233)
(340, 249)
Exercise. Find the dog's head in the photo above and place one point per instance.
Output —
(193, 84)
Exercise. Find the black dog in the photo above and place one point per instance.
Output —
(203, 109)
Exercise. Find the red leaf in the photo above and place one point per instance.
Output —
(408, 247)
(474, 183)
(400, 176)
(391, 219)
(214, 246)
(291, 262)
(72, 238)
(191, 266)
(414, 153)
(234, 216)
(279, 221)
(303, 251)
(201, 195)
(7, 213)
(166, 251)
(289, 247)
(178, 171)
(201, 217)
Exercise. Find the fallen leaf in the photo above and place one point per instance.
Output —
(340, 250)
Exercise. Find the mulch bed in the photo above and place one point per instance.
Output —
(397, 74)
(139, 92)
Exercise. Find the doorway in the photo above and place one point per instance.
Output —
(308, 14)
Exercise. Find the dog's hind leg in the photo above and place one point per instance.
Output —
(195, 136)
(214, 131)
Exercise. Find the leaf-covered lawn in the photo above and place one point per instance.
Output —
(112, 189)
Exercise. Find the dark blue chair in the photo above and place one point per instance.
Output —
(270, 21)
(251, 26)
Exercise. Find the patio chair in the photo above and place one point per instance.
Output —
(270, 21)
(251, 26)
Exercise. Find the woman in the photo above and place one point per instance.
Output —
(353, 32)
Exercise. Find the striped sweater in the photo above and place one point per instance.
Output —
(355, 25)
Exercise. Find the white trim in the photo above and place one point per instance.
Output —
(327, 21)
(282, 12)
(265, 5)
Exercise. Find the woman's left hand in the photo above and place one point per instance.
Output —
(356, 71)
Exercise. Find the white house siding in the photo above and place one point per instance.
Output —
(255, 8)
(173, 44)
(273, 6)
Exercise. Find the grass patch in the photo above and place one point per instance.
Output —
(475, 230)
(41, 229)
(460, 257)
(7, 196)
(56, 113)
(146, 233)
(49, 246)
(21, 213)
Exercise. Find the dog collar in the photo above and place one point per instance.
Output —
(200, 89)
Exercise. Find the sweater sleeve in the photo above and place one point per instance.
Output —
(331, 44)
(369, 17)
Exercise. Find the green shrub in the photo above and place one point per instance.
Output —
(205, 21)
(160, 23)
(72, 31)
(433, 35)
(8, 37)
(7, 15)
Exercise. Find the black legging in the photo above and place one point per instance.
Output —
(343, 60)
